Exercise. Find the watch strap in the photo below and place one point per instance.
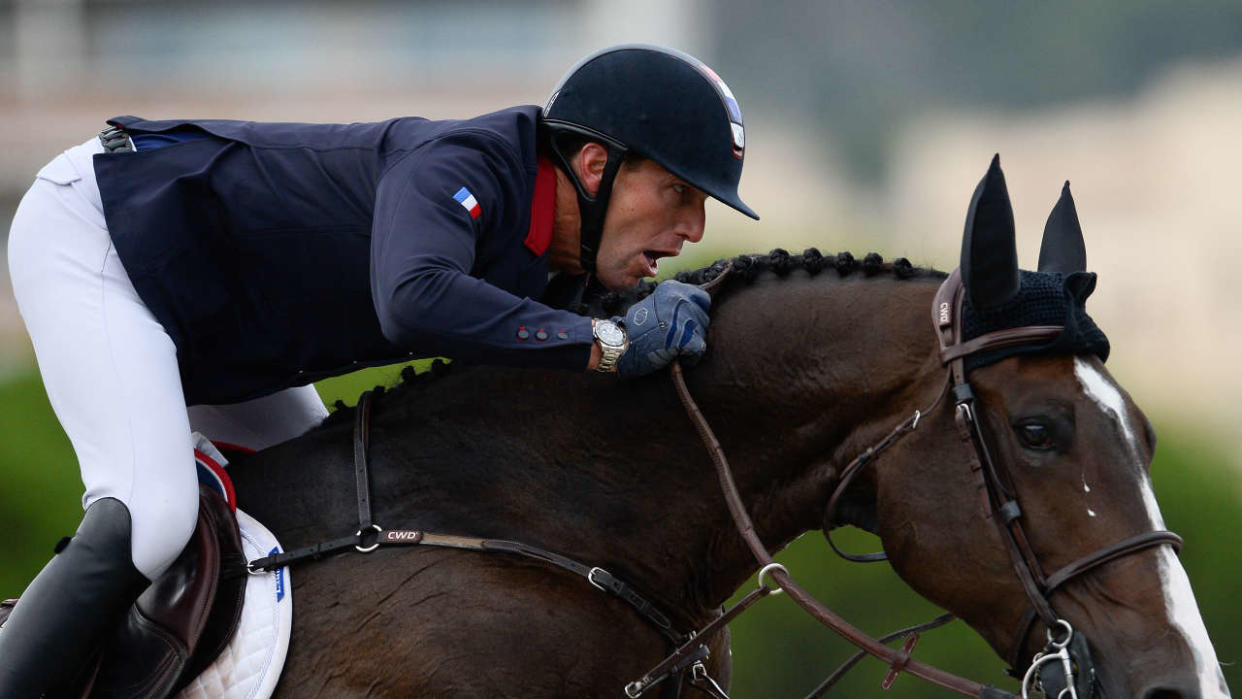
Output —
(609, 354)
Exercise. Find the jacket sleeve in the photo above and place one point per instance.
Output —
(423, 251)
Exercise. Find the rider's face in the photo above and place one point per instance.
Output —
(651, 213)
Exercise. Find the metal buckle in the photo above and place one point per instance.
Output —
(699, 671)
(967, 415)
(591, 578)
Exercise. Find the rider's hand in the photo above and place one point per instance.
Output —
(670, 323)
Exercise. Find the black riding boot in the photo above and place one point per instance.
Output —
(79, 596)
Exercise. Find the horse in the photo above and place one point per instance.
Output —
(812, 360)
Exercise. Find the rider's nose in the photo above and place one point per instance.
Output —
(691, 228)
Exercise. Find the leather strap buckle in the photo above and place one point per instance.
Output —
(605, 581)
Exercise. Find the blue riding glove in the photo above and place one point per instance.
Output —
(670, 323)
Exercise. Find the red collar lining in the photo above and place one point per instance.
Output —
(542, 208)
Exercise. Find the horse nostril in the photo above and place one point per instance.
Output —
(1168, 693)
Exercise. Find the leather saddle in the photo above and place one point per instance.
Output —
(181, 623)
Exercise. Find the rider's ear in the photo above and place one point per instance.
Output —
(989, 253)
(591, 162)
(1063, 250)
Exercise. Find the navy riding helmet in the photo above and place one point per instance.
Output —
(657, 103)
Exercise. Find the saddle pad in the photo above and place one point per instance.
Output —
(249, 667)
(210, 463)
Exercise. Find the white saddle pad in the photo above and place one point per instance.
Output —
(250, 665)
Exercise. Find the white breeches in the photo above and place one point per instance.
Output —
(110, 369)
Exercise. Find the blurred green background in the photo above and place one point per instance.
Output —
(868, 124)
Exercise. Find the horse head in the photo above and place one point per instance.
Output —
(1070, 452)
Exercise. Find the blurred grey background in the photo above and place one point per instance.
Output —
(868, 122)
(868, 126)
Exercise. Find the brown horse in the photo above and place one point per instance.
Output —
(812, 360)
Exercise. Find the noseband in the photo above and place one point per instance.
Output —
(1064, 667)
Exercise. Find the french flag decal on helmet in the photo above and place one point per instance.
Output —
(468, 202)
(735, 112)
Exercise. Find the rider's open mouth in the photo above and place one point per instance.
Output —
(652, 257)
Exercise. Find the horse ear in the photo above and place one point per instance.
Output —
(989, 252)
(1080, 285)
(1063, 250)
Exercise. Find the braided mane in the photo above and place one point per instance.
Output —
(744, 270)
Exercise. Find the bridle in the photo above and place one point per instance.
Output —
(1064, 668)
(999, 502)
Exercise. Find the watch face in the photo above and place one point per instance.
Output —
(609, 333)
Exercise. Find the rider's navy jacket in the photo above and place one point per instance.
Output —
(276, 254)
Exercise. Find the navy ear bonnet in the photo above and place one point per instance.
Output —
(999, 296)
(1044, 298)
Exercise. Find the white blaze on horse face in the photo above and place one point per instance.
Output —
(1179, 599)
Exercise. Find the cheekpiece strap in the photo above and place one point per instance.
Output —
(591, 208)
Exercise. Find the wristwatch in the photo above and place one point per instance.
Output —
(612, 343)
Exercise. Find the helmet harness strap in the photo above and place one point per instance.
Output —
(591, 209)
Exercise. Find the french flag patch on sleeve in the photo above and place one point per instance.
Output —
(468, 202)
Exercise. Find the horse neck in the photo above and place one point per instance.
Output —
(801, 376)
(805, 375)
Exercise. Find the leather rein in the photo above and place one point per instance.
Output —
(1065, 659)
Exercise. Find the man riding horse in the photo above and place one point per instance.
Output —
(226, 265)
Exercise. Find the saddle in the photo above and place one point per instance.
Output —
(182, 622)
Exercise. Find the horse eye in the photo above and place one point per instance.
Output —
(1034, 435)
